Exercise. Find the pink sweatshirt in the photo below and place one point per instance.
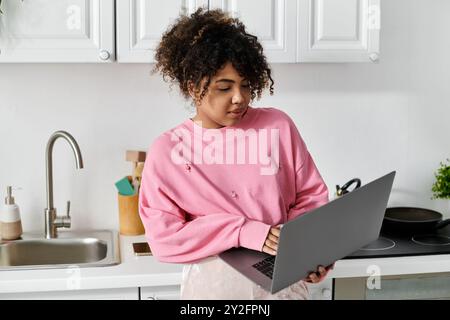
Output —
(204, 191)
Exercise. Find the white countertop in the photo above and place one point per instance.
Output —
(146, 271)
(391, 266)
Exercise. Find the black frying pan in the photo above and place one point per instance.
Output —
(412, 220)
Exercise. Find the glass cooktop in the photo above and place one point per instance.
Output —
(395, 245)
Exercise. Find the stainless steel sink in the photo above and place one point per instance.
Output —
(81, 249)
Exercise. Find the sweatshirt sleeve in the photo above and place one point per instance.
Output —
(173, 237)
(311, 191)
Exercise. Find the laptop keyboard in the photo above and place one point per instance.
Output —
(266, 266)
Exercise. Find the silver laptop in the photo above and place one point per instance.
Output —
(319, 237)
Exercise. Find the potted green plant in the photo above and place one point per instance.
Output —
(441, 187)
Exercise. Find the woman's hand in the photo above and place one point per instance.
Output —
(271, 247)
(271, 243)
(319, 275)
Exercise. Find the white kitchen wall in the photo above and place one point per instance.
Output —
(359, 120)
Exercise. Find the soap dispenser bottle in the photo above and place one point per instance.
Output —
(10, 222)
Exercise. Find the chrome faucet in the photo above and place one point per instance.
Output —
(52, 221)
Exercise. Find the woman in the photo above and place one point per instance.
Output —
(231, 175)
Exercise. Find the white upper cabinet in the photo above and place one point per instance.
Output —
(86, 30)
(274, 22)
(338, 30)
(57, 31)
(141, 23)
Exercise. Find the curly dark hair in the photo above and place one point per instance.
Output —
(197, 46)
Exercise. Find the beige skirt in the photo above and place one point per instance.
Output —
(213, 279)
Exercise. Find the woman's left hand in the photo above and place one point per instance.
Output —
(319, 275)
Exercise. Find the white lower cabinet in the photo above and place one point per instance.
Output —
(97, 294)
(160, 293)
(430, 286)
(136, 293)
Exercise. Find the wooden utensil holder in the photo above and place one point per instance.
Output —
(130, 223)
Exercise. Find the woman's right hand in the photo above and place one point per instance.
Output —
(271, 243)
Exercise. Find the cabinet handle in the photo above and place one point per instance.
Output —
(104, 55)
(374, 57)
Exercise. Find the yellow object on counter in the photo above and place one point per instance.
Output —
(130, 223)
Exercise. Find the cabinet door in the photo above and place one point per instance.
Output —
(272, 21)
(428, 286)
(57, 31)
(338, 31)
(141, 23)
